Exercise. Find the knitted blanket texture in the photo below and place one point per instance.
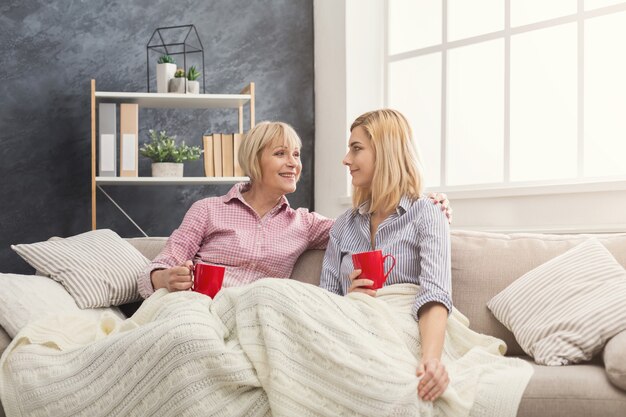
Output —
(273, 348)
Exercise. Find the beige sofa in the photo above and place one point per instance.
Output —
(482, 265)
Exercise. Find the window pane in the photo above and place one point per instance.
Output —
(543, 104)
(595, 4)
(605, 96)
(524, 12)
(415, 90)
(475, 122)
(413, 24)
(464, 22)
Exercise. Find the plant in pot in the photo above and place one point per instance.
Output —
(166, 67)
(168, 157)
(178, 83)
(193, 86)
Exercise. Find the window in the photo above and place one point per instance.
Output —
(510, 92)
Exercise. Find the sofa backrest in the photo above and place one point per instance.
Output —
(483, 264)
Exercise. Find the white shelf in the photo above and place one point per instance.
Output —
(171, 100)
(168, 180)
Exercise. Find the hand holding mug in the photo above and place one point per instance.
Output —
(177, 278)
(360, 284)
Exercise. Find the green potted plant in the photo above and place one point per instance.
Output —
(178, 83)
(167, 156)
(166, 67)
(193, 86)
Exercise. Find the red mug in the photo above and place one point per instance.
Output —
(372, 266)
(207, 279)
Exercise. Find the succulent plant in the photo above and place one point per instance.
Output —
(163, 148)
(180, 73)
(193, 73)
(166, 59)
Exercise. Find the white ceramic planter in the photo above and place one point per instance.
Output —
(167, 169)
(177, 85)
(193, 87)
(165, 72)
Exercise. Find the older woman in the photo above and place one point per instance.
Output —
(252, 230)
(388, 214)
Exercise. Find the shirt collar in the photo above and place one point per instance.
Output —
(403, 206)
(238, 189)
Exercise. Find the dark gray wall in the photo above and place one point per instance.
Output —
(51, 49)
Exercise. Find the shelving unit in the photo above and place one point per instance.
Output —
(172, 101)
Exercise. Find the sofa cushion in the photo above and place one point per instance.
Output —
(149, 247)
(615, 360)
(308, 267)
(98, 268)
(27, 298)
(483, 264)
(571, 391)
(565, 310)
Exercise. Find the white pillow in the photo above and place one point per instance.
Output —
(26, 298)
(98, 268)
(565, 310)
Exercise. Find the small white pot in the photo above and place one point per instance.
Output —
(165, 72)
(193, 87)
(177, 85)
(167, 169)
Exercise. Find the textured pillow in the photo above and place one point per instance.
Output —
(615, 360)
(565, 310)
(26, 298)
(97, 268)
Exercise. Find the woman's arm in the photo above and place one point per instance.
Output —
(319, 229)
(330, 278)
(182, 246)
(434, 301)
(433, 318)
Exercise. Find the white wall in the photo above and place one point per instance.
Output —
(349, 46)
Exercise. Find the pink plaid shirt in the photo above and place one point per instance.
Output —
(227, 231)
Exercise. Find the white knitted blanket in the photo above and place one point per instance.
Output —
(272, 348)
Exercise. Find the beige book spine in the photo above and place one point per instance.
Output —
(217, 154)
(237, 140)
(228, 168)
(129, 141)
(209, 169)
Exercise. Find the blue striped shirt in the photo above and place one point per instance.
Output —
(417, 235)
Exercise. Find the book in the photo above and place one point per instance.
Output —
(129, 146)
(217, 154)
(237, 139)
(209, 169)
(228, 161)
(107, 127)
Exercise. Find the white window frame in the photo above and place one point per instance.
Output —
(507, 187)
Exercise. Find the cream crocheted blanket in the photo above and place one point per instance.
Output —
(273, 348)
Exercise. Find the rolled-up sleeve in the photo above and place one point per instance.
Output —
(182, 245)
(434, 257)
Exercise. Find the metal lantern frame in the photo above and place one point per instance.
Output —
(183, 47)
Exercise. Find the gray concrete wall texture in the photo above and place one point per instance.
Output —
(51, 49)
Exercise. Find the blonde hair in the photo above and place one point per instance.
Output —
(260, 136)
(398, 168)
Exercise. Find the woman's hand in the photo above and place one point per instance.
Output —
(358, 284)
(434, 379)
(177, 278)
(441, 198)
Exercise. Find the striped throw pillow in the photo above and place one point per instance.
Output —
(97, 268)
(565, 310)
